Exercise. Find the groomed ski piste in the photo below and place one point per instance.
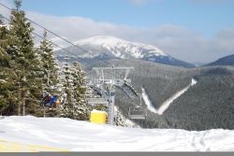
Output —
(32, 134)
(165, 105)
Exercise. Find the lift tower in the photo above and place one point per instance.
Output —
(105, 83)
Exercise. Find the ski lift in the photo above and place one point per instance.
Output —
(50, 100)
(136, 112)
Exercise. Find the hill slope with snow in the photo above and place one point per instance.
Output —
(109, 47)
(60, 134)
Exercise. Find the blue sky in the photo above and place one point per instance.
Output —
(204, 16)
(190, 30)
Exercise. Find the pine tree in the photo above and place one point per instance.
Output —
(82, 109)
(6, 84)
(49, 68)
(25, 61)
(49, 65)
(75, 106)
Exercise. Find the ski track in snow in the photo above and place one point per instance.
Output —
(73, 135)
(164, 106)
(147, 101)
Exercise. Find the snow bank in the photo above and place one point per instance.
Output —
(72, 135)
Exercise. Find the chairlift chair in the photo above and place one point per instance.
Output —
(136, 112)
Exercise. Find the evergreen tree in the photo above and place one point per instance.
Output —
(75, 106)
(67, 103)
(6, 84)
(82, 109)
(49, 68)
(49, 65)
(25, 61)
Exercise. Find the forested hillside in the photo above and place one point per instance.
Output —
(208, 104)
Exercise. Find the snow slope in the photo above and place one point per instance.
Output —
(164, 106)
(148, 102)
(61, 134)
(110, 47)
(120, 48)
(168, 102)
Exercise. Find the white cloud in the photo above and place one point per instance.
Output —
(187, 45)
(178, 41)
(225, 41)
(75, 28)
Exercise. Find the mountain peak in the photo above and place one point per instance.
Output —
(108, 47)
(122, 48)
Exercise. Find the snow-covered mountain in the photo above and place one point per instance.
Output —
(108, 47)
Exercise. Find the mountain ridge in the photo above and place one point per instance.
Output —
(109, 47)
(224, 61)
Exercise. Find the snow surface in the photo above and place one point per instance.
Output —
(165, 105)
(73, 135)
(120, 48)
(168, 102)
(148, 102)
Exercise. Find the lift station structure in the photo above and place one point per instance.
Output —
(104, 84)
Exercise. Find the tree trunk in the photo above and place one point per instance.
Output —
(19, 105)
(23, 101)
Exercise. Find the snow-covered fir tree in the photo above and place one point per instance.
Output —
(25, 63)
(49, 73)
(49, 65)
(75, 105)
(6, 74)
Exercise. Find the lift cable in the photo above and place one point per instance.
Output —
(64, 49)
(49, 31)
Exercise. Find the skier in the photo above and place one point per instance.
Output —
(46, 98)
(53, 100)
